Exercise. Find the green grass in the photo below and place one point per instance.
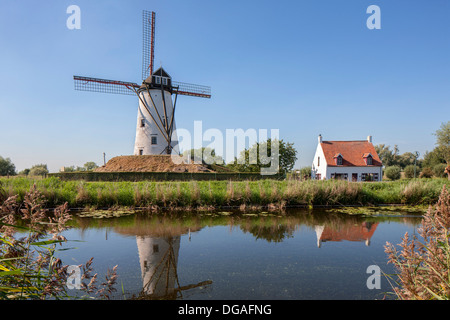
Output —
(195, 194)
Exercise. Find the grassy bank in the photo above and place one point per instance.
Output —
(195, 194)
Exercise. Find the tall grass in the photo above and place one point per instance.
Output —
(194, 194)
(423, 265)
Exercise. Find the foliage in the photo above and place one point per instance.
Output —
(426, 172)
(88, 166)
(260, 156)
(203, 155)
(29, 268)
(443, 141)
(423, 267)
(194, 194)
(38, 170)
(410, 170)
(7, 168)
(393, 158)
(439, 170)
(432, 158)
(393, 172)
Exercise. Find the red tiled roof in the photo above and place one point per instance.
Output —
(352, 153)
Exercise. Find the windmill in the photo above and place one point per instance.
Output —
(155, 129)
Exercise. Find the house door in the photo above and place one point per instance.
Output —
(354, 177)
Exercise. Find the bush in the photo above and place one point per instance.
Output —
(439, 170)
(409, 171)
(393, 172)
(426, 173)
(38, 170)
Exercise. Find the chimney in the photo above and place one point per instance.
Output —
(369, 139)
(320, 138)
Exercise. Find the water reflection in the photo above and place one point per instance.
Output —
(159, 240)
(158, 245)
(359, 232)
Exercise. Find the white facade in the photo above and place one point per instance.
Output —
(322, 170)
(149, 139)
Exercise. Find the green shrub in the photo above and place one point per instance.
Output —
(409, 171)
(426, 173)
(439, 170)
(393, 172)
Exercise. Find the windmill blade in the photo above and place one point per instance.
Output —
(104, 85)
(148, 45)
(189, 89)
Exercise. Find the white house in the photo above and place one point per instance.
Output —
(346, 160)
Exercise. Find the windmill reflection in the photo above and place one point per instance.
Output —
(158, 240)
(159, 260)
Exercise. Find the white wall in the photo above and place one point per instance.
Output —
(144, 134)
(319, 169)
(326, 171)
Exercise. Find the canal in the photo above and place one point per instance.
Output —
(299, 254)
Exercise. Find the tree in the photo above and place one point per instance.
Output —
(260, 156)
(393, 172)
(38, 170)
(387, 156)
(90, 166)
(203, 155)
(443, 142)
(7, 168)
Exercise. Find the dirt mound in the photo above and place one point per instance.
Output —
(149, 163)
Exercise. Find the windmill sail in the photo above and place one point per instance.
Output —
(104, 85)
(189, 89)
(148, 44)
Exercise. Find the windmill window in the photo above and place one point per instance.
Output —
(318, 161)
(158, 80)
(141, 152)
(164, 81)
(154, 140)
(142, 123)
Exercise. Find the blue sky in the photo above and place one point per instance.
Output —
(303, 67)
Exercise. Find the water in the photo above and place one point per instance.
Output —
(299, 255)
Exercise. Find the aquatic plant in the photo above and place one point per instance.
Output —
(29, 268)
(423, 266)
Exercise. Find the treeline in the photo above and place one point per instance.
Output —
(434, 163)
(7, 168)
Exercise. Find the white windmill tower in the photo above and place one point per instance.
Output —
(155, 130)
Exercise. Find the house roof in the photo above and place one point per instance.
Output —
(352, 152)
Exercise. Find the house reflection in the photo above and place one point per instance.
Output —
(361, 232)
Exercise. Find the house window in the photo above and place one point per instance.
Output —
(369, 160)
(154, 141)
(142, 123)
(339, 160)
(318, 161)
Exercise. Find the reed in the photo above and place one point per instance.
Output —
(423, 264)
(193, 194)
